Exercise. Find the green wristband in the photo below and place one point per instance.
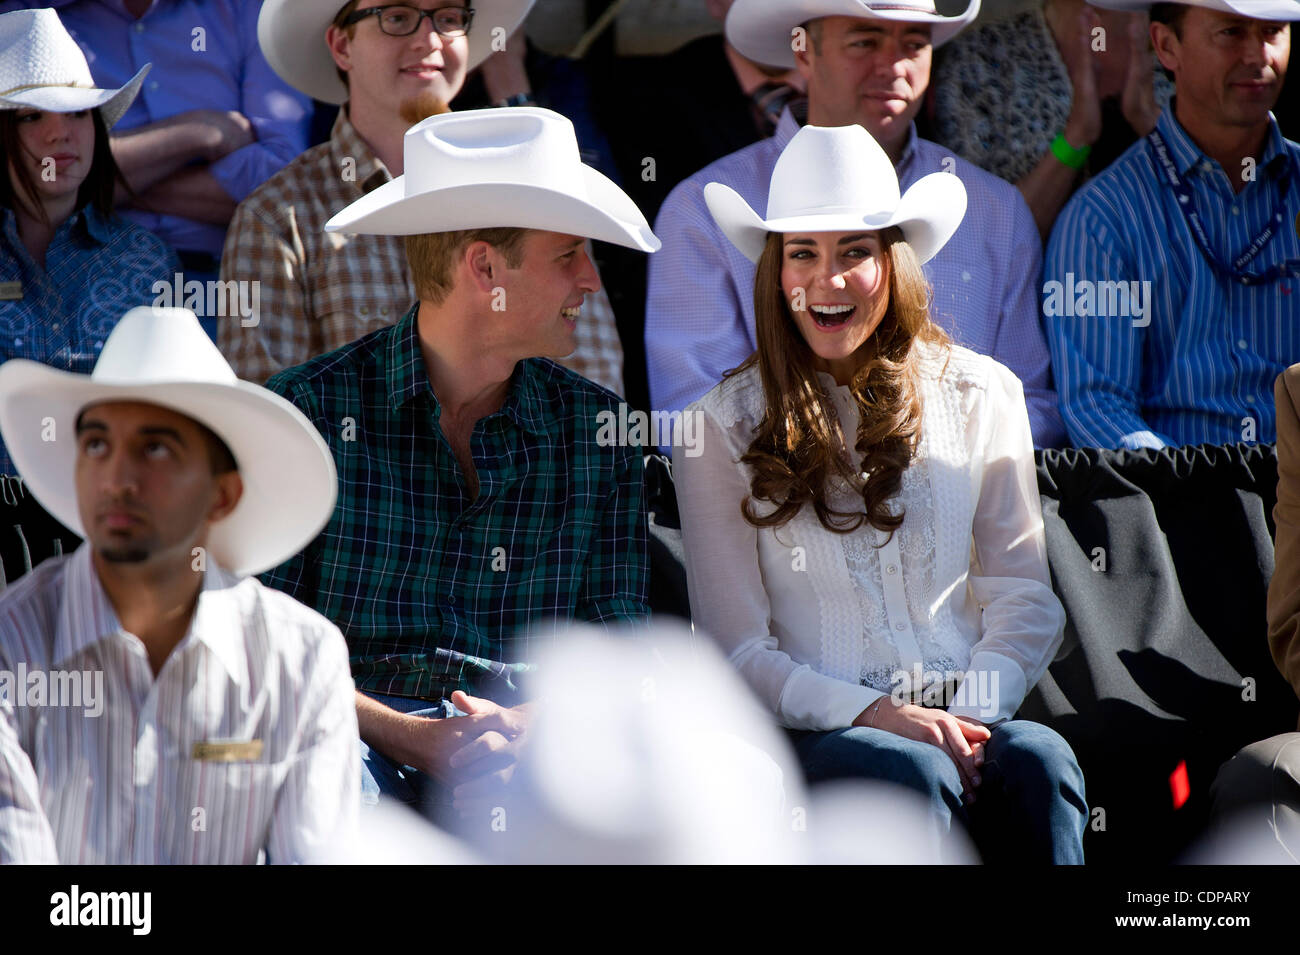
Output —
(1067, 154)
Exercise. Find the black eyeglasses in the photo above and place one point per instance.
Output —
(401, 20)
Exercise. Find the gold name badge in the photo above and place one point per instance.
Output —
(11, 291)
(229, 751)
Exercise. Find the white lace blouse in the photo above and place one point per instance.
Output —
(822, 624)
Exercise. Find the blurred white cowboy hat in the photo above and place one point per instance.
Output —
(1254, 9)
(495, 168)
(761, 29)
(292, 36)
(838, 179)
(41, 67)
(162, 356)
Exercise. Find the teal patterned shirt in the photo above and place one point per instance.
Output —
(435, 591)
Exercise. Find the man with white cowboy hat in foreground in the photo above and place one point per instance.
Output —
(388, 68)
(477, 498)
(157, 705)
(1196, 224)
(867, 64)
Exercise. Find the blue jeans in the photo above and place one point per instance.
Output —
(1030, 805)
(383, 776)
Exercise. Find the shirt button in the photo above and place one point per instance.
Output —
(965, 276)
(55, 326)
(898, 626)
(139, 26)
(18, 342)
(891, 569)
(1241, 343)
(1250, 399)
(451, 600)
(152, 86)
(1236, 210)
(364, 310)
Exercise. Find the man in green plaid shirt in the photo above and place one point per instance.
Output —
(478, 505)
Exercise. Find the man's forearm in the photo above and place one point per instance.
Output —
(191, 194)
(148, 154)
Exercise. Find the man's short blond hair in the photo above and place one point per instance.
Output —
(431, 257)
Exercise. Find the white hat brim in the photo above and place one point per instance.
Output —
(608, 216)
(112, 104)
(291, 34)
(290, 485)
(928, 215)
(761, 29)
(1280, 10)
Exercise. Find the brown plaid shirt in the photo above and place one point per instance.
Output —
(320, 291)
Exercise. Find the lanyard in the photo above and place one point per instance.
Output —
(1187, 205)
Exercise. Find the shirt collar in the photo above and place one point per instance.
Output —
(86, 616)
(792, 117)
(87, 221)
(1187, 155)
(346, 144)
(408, 378)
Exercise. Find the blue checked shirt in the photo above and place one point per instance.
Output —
(433, 590)
(1202, 371)
(700, 301)
(96, 269)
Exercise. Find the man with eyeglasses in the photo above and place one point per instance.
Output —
(1170, 287)
(390, 66)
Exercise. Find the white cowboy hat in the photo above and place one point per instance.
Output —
(41, 67)
(514, 166)
(162, 356)
(292, 36)
(761, 29)
(1254, 9)
(838, 179)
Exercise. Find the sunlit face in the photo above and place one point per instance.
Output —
(541, 299)
(1228, 69)
(57, 151)
(870, 72)
(385, 71)
(145, 487)
(836, 286)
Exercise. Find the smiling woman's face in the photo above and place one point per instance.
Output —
(57, 150)
(836, 285)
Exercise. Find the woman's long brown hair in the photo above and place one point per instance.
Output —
(797, 448)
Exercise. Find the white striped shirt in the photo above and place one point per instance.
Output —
(104, 767)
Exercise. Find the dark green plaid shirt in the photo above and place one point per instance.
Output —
(432, 590)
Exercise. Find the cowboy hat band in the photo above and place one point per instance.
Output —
(285, 466)
(497, 168)
(292, 36)
(42, 68)
(1253, 9)
(762, 29)
(838, 179)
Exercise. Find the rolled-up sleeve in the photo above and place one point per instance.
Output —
(280, 115)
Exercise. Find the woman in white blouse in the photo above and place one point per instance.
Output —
(861, 518)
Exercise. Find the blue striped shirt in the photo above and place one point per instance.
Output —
(1197, 365)
(700, 301)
